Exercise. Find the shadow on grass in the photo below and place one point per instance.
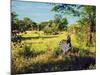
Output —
(70, 63)
(79, 63)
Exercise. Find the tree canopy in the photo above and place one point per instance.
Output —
(86, 13)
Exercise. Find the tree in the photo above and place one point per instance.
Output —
(14, 20)
(34, 26)
(42, 25)
(27, 23)
(57, 18)
(86, 13)
(21, 26)
(63, 24)
(60, 21)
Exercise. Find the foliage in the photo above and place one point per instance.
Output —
(87, 15)
(14, 20)
(38, 50)
(22, 25)
(26, 52)
(54, 26)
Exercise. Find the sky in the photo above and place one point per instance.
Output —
(36, 11)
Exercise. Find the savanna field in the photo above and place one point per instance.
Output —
(39, 52)
(52, 37)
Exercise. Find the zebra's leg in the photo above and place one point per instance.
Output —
(64, 52)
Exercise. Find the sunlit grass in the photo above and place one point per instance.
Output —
(45, 49)
(44, 41)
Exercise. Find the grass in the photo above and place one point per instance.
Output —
(42, 54)
(44, 41)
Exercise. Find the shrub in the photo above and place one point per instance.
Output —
(26, 51)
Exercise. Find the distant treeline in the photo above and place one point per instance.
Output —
(50, 27)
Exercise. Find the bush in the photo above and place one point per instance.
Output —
(26, 51)
(47, 30)
(57, 51)
(51, 30)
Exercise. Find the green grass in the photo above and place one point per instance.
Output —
(44, 41)
(44, 54)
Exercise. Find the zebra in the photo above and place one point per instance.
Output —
(65, 45)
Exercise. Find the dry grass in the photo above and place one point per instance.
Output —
(42, 54)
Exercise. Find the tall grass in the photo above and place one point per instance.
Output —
(43, 54)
